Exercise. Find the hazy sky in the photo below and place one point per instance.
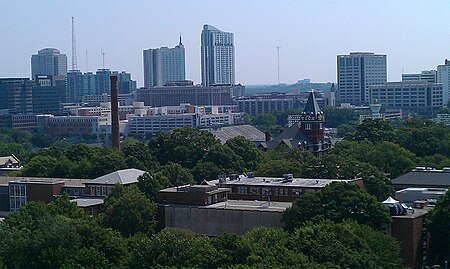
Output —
(414, 34)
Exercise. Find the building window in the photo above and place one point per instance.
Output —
(242, 190)
(254, 190)
(308, 126)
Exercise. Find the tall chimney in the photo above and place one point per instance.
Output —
(115, 113)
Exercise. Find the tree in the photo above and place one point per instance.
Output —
(337, 202)
(205, 171)
(388, 157)
(346, 245)
(246, 150)
(170, 175)
(225, 158)
(138, 155)
(128, 211)
(424, 138)
(374, 130)
(174, 247)
(438, 223)
(185, 146)
(337, 116)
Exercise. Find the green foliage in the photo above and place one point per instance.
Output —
(388, 157)
(205, 171)
(58, 235)
(337, 202)
(376, 130)
(139, 156)
(424, 138)
(337, 116)
(347, 245)
(128, 211)
(438, 223)
(185, 146)
(225, 159)
(246, 150)
(74, 161)
(170, 175)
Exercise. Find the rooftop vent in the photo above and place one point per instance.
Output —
(446, 169)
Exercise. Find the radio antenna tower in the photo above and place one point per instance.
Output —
(103, 57)
(74, 47)
(278, 61)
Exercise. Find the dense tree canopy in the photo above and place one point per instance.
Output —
(337, 202)
(128, 211)
(439, 227)
(185, 146)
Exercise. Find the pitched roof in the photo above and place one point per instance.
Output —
(292, 136)
(247, 131)
(123, 177)
(5, 159)
(424, 178)
(312, 107)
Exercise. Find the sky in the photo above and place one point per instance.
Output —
(413, 34)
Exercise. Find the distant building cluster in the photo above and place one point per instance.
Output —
(362, 80)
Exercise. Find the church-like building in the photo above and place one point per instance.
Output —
(307, 131)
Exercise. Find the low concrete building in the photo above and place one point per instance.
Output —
(102, 186)
(423, 177)
(90, 206)
(282, 189)
(410, 195)
(232, 216)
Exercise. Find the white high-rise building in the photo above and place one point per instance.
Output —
(443, 77)
(356, 72)
(164, 65)
(217, 53)
(427, 75)
(50, 62)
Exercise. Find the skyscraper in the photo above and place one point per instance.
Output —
(217, 52)
(50, 62)
(164, 65)
(356, 72)
(102, 82)
(443, 76)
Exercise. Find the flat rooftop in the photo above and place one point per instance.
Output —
(87, 202)
(414, 213)
(244, 205)
(277, 182)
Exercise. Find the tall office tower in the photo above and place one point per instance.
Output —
(102, 82)
(74, 85)
(16, 95)
(443, 76)
(217, 52)
(48, 93)
(356, 72)
(48, 61)
(89, 87)
(426, 75)
(125, 83)
(164, 65)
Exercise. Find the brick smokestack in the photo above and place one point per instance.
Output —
(115, 113)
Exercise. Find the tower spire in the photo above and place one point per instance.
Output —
(180, 43)
(74, 47)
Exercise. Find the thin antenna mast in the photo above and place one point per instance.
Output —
(103, 55)
(278, 60)
(87, 66)
(74, 47)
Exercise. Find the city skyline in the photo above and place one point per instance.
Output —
(310, 35)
